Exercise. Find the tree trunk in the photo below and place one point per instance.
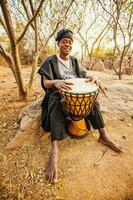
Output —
(33, 72)
(16, 58)
(36, 56)
(14, 47)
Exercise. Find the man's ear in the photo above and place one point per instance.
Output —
(58, 43)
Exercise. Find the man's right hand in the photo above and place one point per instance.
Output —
(63, 85)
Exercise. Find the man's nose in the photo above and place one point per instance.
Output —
(67, 44)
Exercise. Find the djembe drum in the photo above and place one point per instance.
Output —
(79, 102)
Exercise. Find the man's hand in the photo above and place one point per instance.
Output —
(63, 85)
(95, 80)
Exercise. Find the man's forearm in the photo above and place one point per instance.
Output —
(49, 83)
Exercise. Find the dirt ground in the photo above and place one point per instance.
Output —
(88, 170)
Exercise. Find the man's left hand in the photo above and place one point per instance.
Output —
(95, 80)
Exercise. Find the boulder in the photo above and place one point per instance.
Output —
(108, 64)
(131, 61)
(99, 66)
(127, 70)
(86, 63)
(125, 62)
(30, 130)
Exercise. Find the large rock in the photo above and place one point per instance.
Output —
(108, 64)
(127, 70)
(119, 99)
(117, 62)
(86, 63)
(99, 66)
(30, 129)
(125, 62)
(131, 61)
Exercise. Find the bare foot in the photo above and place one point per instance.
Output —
(52, 170)
(110, 143)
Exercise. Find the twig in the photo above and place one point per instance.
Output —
(99, 161)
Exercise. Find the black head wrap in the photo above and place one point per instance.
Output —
(64, 33)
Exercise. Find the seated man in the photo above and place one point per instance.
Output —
(54, 71)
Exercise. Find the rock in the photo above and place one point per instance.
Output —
(59, 198)
(121, 118)
(99, 66)
(117, 61)
(131, 61)
(86, 63)
(127, 70)
(3, 74)
(124, 136)
(108, 64)
(105, 186)
(104, 109)
(15, 125)
(29, 130)
(125, 62)
(4, 125)
(129, 124)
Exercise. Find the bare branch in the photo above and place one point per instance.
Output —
(31, 20)
(102, 38)
(81, 21)
(68, 8)
(31, 6)
(52, 33)
(106, 10)
(99, 36)
(27, 12)
(3, 24)
(9, 60)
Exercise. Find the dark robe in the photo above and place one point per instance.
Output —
(53, 117)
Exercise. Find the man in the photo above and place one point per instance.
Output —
(54, 71)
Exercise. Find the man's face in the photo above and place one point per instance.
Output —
(65, 46)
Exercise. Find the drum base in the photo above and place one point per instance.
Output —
(77, 129)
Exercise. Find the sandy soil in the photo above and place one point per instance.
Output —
(87, 170)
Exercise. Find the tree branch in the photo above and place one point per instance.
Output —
(52, 33)
(3, 24)
(31, 20)
(27, 12)
(106, 10)
(9, 60)
(68, 8)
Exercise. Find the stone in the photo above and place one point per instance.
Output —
(99, 66)
(127, 70)
(129, 124)
(4, 125)
(108, 64)
(29, 131)
(86, 63)
(131, 61)
(3, 74)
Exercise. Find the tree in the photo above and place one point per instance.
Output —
(33, 16)
(122, 28)
(14, 58)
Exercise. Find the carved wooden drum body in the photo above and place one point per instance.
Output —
(79, 102)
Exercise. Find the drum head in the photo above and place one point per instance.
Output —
(81, 87)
